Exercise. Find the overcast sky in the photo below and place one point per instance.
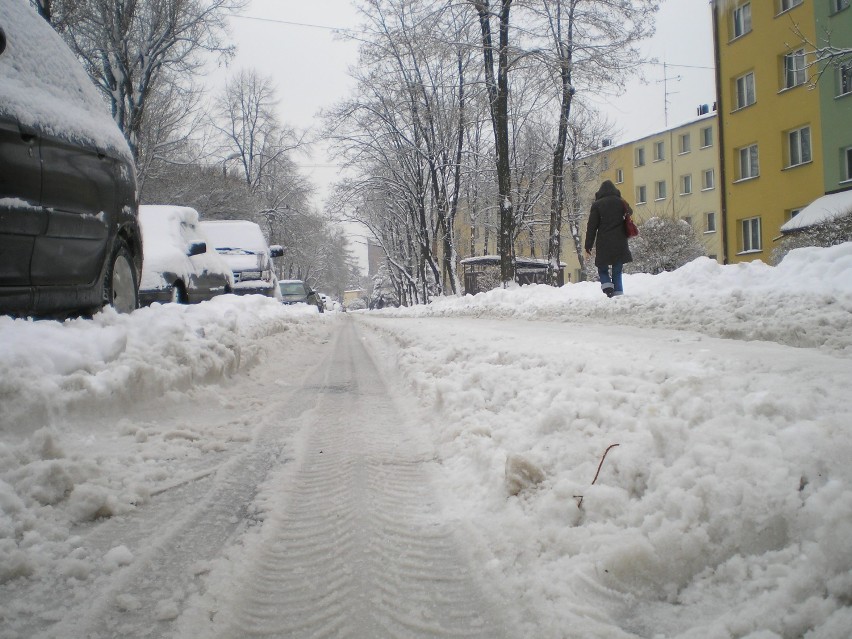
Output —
(309, 67)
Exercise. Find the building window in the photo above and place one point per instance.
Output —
(619, 176)
(660, 190)
(751, 234)
(742, 19)
(708, 180)
(605, 164)
(687, 219)
(685, 184)
(745, 90)
(640, 156)
(794, 69)
(844, 79)
(786, 5)
(847, 154)
(792, 213)
(684, 143)
(710, 222)
(839, 5)
(641, 194)
(706, 137)
(749, 165)
(799, 146)
(659, 151)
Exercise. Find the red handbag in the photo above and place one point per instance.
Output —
(629, 227)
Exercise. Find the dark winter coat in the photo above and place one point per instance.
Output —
(605, 229)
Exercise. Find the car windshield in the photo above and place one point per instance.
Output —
(292, 288)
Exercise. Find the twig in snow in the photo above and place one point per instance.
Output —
(600, 465)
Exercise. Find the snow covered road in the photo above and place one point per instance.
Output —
(242, 469)
(353, 544)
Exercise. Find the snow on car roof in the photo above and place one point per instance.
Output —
(45, 87)
(235, 234)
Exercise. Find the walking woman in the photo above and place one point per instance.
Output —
(605, 231)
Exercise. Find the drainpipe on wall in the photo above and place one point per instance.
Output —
(723, 182)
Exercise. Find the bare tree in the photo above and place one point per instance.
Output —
(133, 47)
(497, 85)
(590, 45)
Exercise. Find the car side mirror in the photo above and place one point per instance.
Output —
(197, 248)
(276, 250)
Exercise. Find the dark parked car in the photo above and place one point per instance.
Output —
(297, 292)
(180, 265)
(69, 237)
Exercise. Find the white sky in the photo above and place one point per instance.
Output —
(309, 67)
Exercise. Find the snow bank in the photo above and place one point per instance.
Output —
(806, 301)
(76, 445)
(49, 370)
(725, 510)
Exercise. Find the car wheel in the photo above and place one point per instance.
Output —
(179, 295)
(121, 289)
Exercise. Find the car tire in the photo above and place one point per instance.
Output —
(121, 283)
(179, 295)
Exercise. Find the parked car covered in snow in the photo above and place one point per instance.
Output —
(179, 264)
(69, 236)
(297, 292)
(242, 245)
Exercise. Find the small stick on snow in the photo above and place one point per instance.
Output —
(600, 465)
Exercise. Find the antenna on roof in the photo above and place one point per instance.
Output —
(666, 91)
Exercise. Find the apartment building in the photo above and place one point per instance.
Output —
(783, 143)
(674, 175)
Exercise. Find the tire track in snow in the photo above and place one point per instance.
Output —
(355, 546)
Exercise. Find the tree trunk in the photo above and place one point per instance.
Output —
(498, 98)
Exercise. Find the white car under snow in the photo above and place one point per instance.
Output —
(242, 245)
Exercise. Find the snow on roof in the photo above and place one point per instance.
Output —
(45, 87)
(822, 209)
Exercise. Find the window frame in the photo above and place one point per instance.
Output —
(639, 156)
(619, 176)
(710, 222)
(641, 194)
(750, 229)
(660, 191)
(704, 137)
(839, 5)
(792, 72)
(704, 181)
(741, 20)
(847, 161)
(659, 151)
(684, 143)
(791, 4)
(799, 145)
(686, 184)
(743, 92)
(844, 80)
(748, 157)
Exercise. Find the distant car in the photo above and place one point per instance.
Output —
(179, 266)
(297, 292)
(242, 245)
(69, 236)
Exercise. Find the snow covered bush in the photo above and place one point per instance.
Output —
(664, 244)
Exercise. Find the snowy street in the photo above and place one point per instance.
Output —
(243, 469)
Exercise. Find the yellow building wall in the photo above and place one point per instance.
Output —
(776, 111)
